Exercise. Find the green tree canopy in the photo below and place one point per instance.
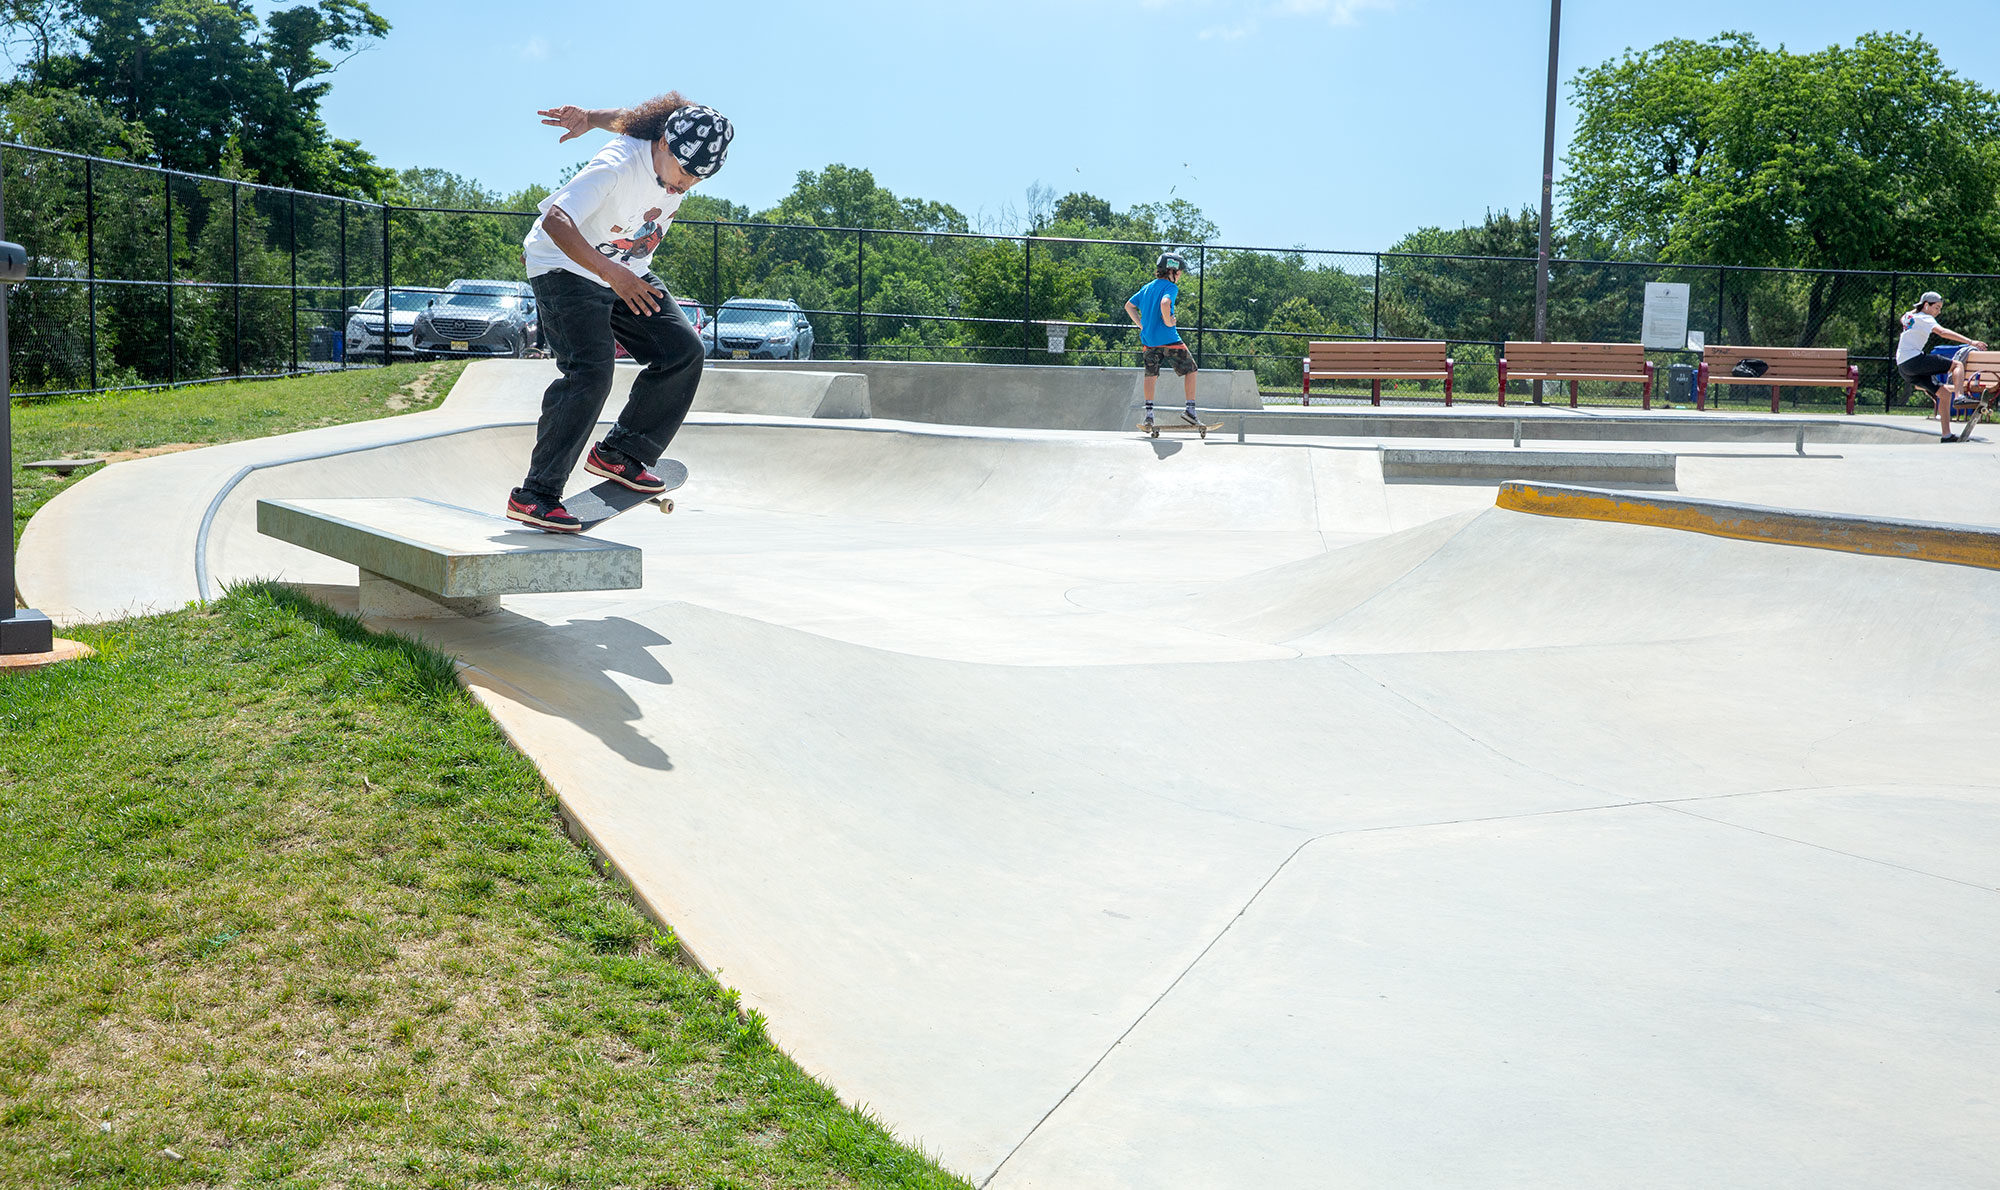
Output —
(1863, 156)
(205, 77)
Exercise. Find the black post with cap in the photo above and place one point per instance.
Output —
(22, 630)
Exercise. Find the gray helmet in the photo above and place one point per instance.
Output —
(1170, 260)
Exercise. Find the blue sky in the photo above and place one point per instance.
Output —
(1327, 123)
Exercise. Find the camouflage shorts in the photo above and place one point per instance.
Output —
(1176, 354)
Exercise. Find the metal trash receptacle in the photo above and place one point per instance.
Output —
(1680, 383)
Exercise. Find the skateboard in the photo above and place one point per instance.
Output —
(600, 502)
(1976, 403)
(1153, 431)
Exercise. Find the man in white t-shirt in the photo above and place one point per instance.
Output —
(589, 260)
(1915, 363)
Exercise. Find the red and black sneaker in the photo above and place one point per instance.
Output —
(530, 509)
(622, 469)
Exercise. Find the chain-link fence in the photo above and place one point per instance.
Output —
(142, 277)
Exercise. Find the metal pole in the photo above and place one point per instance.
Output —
(1548, 182)
(1200, 309)
(236, 275)
(90, 256)
(715, 268)
(860, 279)
(343, 287)
(173, 362)
(1027, 273)
(293, 223)
(27, 630)
(1548, 191)
(1375, 329)
(388, 319)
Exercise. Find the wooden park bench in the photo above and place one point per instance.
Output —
(1376, 361)
(1820, 366)
(1575, 362)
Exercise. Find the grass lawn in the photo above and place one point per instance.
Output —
(205, 414)
(280, 907)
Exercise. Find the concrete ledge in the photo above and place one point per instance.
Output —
(1603, 466)
(1549, 424)
(445, 553)
(1927, 541)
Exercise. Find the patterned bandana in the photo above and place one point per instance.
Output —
(698, 137)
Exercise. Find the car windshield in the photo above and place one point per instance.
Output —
(490, 287)
(762, 320)
(406, 299)
(467, 299)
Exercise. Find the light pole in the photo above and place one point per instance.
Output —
(1548, 185)
(1548, 191)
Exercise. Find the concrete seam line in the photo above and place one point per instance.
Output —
(1140, 1019)
(1924, 541)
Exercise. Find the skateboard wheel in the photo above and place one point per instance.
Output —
(666, 505)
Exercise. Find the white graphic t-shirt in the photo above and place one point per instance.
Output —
(1917, 328)
(618, 204)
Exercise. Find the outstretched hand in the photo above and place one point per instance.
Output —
(573, 120)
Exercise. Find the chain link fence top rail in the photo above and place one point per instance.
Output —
(145, 277)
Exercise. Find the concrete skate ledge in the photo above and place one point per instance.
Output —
(1421, 463)
(1928, 541)
(458, 560)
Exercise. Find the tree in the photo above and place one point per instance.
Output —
(205, 78)
(1867, 156)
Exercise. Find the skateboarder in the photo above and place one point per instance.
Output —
(1919, 366)
(1152, 309)
(588, 259)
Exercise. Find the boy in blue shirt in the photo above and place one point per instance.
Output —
(1152, 308)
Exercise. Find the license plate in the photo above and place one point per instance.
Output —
(460, 344)
(740, 354)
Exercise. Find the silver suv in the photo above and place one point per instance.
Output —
(478, 317)
(762, 328)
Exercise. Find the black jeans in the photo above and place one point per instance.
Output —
(1918, 370)
(580, 318)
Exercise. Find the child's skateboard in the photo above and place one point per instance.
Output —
(1976, 405)
(1153, 429)
(599, 503)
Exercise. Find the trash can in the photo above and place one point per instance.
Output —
(326, 346)
(1680, 384)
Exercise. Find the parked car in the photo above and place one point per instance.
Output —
(478, 317)
(762, 328)
(364, 322)
(703, 324)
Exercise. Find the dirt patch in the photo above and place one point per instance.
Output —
(147, 452)
(421, 391)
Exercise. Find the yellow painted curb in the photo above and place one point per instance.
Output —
(1926, 541)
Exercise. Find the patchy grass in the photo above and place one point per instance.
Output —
(280, 907)
(202, 415)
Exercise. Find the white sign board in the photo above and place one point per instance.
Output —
(1665, 327)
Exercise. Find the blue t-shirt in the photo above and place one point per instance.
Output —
(1153, 330)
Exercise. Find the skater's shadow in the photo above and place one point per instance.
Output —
(1164, 449)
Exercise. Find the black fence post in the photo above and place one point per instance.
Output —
(1027, 290)
(342, 303)
(1200, 304)
(388, 318)
(90, 258)
(714, 268)
(236, 276)
(173, 364)
(293, 223)
(1375, 328)
(860, 302)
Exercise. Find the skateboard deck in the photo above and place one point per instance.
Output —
(1976, 408)
(1153, 431)
(600, 502)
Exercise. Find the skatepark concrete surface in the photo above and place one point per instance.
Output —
(1109, 812)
